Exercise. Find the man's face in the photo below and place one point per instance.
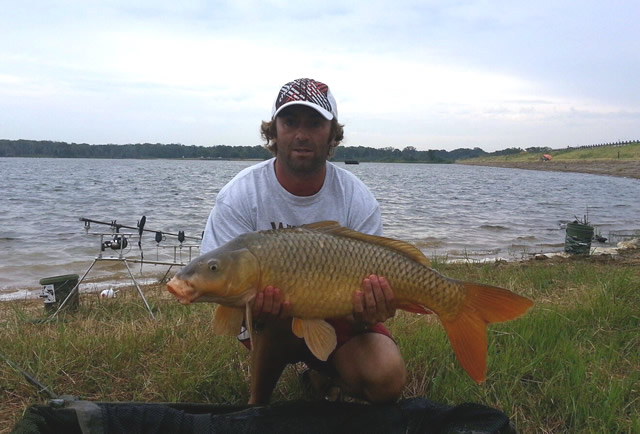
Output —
(302, 139)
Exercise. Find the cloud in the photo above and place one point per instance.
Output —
(427, 73)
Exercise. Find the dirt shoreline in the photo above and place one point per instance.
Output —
(624, 168)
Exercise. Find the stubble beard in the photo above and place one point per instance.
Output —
(302, 166)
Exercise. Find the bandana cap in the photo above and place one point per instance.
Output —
(309, 92)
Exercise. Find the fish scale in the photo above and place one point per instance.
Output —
(312, 261)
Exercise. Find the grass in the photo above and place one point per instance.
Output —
(572, 364)
(603, 153)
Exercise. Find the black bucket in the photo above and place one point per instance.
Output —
(578, 239)
(56, 289)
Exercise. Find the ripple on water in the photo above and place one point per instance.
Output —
(444, 209)
(494, 227)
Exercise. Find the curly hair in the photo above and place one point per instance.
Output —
(268, 133)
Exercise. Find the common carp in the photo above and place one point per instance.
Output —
(319, 266)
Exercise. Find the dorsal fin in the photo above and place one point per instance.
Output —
(334, 228)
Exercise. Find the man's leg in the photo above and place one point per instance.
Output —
(273, 347)
(371, 367)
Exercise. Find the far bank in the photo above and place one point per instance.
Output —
(622, 168)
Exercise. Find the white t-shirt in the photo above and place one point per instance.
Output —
(254, 200)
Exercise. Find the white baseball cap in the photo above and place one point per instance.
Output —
(309, 92)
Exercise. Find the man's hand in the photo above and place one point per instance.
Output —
(375, 303)
(270, 302)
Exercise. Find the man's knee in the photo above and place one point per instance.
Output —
(372, 367)
(386, 383)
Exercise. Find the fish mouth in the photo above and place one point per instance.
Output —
(183, 291)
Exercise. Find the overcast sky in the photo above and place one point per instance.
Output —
(428, 74)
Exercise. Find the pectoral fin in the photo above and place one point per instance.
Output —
(227, 321)
(297, 326)
(248, 316)
(318, 334)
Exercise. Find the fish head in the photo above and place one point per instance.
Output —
(227, 277)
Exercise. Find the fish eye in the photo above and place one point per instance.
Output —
(213, 266)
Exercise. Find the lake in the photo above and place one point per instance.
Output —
(451, 211)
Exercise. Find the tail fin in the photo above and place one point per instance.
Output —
(468, 330)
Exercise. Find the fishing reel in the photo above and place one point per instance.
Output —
(118, 243)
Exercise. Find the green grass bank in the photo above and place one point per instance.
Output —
(625, 152)
(572, 364)
(622, 161)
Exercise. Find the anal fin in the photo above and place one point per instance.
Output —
(318, 334)
(297, 326)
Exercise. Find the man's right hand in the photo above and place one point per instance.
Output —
(269, 303)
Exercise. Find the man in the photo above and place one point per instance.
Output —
(297, 187)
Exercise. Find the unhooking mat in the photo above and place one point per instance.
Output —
(416, 415)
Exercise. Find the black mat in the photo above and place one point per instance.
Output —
(416, 415)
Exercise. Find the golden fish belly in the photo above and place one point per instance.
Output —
(318, 273)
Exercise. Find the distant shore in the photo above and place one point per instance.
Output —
(622, 168)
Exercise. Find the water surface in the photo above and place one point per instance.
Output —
(446, 210)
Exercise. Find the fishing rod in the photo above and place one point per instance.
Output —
(41, 387)
(140, 228)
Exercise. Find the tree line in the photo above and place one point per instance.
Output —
(53, 149)
(45, 148)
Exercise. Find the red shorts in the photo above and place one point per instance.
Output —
(344, 332)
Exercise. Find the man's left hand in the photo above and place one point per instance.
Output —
(375, 303)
